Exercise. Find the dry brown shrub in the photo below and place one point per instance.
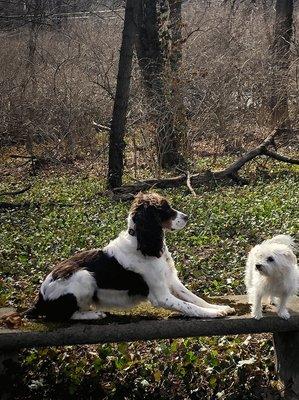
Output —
(224, 82)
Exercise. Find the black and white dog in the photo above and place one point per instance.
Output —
(134, 267)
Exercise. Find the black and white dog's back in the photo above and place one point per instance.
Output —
(96, 278)
(134, 267)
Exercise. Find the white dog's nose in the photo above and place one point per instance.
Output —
(258, 266)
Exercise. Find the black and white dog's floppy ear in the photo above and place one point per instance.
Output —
(149, 230)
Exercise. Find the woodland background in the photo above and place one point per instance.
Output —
(212, 83)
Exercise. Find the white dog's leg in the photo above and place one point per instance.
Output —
(282, 309)
(256, 310)
(250, 295)
(183, 293)
(85, 315)
(170, 302)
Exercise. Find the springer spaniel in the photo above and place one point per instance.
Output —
(135, 267)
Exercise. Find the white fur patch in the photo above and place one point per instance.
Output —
(85, 315)
(82, 284)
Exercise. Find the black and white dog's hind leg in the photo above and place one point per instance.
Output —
(63, 299)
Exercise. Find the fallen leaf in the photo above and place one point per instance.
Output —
(12, 321)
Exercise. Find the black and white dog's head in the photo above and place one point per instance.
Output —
(152, 214)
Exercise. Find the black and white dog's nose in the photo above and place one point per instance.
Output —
(258, 266)
(185, 217)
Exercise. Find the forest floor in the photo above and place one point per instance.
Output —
(70, 212)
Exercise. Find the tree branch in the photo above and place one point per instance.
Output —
(20, 191)
(280, 157)
(189, 184)
(100, 127)
(231, 172)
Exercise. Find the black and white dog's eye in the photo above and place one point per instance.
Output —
(270, 259)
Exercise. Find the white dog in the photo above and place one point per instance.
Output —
(272, 271)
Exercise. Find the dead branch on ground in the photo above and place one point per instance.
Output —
(229, 173)
(16, 192)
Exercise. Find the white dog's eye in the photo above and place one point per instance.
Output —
(270, 259)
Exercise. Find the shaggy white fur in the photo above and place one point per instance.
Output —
(272, 271)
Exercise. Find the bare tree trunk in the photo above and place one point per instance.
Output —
(57, 17)
(116, 140)
(180, 122)
(159, 56)
(148, 46)
(35, 8)
(283, 31)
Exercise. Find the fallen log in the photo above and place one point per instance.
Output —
(117, 329)
(229, 173)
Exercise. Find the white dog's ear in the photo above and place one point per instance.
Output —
(291, 257)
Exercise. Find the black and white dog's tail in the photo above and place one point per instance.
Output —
(38, 309)
(59, 309)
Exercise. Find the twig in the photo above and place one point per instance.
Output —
(189, 184)
(21, 156)
(280, 157)
(188, 180)
(17, 191)
(11, 206)
(27, 204)
(99, 127)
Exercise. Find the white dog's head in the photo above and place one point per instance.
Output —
(273, 259)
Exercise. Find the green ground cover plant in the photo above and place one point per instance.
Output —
(70, 213)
